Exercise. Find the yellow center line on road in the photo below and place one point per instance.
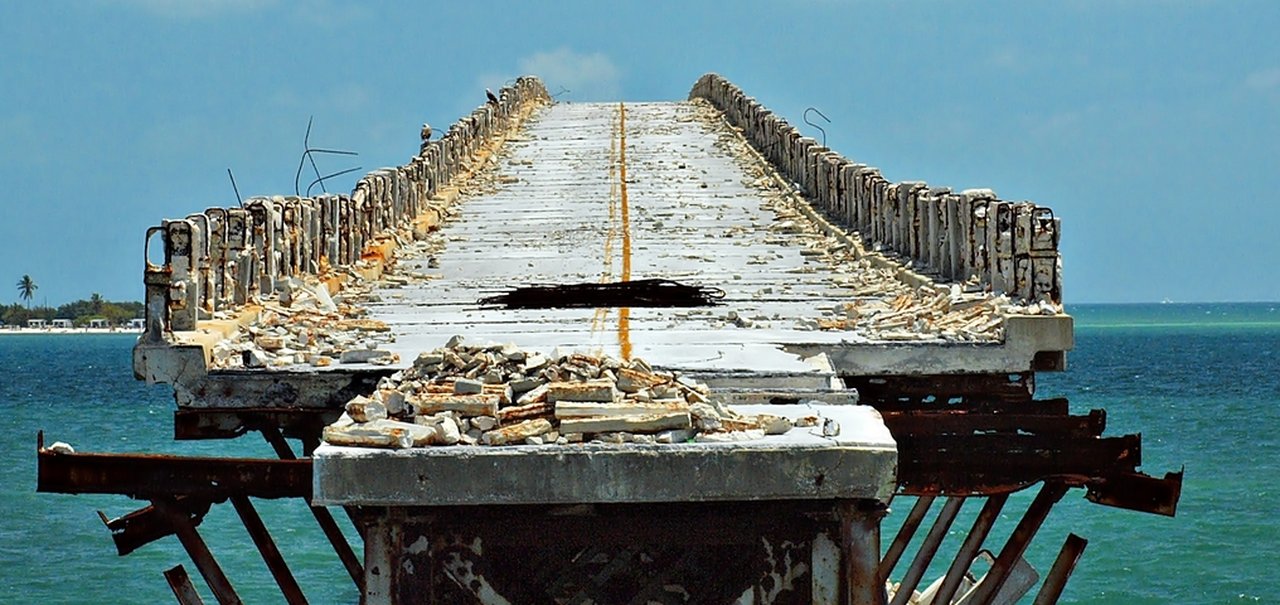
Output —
(624, 314)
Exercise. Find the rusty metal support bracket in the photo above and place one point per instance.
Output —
(969, 549)
(199, 552)
(928, 549)
(270, 554)
(1049, 494)
(181, 585)
(146, 525)
(1135, 491)
(1068, 556)
(905, 533)
(323, 517)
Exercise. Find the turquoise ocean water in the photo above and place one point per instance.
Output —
(1201, 382)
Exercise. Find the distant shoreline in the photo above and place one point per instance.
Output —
(4, 331)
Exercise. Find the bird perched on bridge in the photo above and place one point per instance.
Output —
(426, 136)
(492, 97)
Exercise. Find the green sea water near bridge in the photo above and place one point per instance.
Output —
(1201, 382)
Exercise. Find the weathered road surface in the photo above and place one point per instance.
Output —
(687, 209)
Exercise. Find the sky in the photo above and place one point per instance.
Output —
(1151, 128)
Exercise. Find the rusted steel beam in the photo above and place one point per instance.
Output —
(146, 525)
(1136, 491)
(267, 547)
(1049, 494)
(859, 552)
(181, 585)
(229, 423)
(894, 391)
(147, 476)
(1039, 407)
(969, 549)
(991, 464)
(930, 422)
(928, 549)
(279, 445)
(340, 546)
(1051, 590)
(905, 533)
(199, 552)
(323, 517)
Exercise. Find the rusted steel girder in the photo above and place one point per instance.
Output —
(887, 392)
(323, 517)
(181, 585)
(1051, 590)
(905, 533)
(989, 464)
(1139, 492)
(928, 549)
(199, 552)
(939, 422)
(270, 554)
(148, 476)
(229, 423)
(969, 549)
(1018, 541)
(146, 525)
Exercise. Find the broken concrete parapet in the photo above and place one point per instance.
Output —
(290, 247)
(949, 235)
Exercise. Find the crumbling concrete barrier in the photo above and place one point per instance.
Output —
(967, 236)
(223, 257)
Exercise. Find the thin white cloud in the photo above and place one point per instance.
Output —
(1007, 58)
(1264, 80)
(194, 9)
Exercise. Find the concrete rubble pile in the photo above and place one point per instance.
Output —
(304, 324)
(499, 394)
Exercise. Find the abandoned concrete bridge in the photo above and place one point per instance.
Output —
(893, 329)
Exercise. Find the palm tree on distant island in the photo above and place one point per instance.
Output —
(27, 289)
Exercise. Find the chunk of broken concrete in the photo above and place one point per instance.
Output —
(467, 405)
(363, 409)
(362, 435)
(637, 423)
(631, 381)
(446, 428)
(592, 390)
(468, 386)
(583, 409)
(517, 433)
(362, 355)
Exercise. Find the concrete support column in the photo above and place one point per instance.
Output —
(381, 547)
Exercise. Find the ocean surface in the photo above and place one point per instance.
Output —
(1201, 382)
